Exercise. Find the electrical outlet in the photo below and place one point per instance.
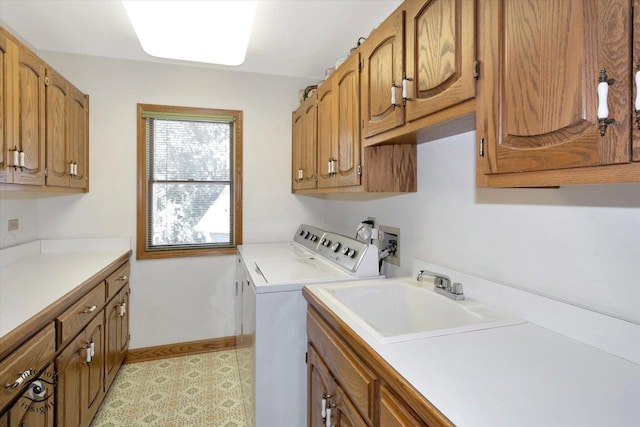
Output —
(14, 225)
(390, 241)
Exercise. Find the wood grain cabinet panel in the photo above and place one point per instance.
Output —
(66, 133)
(636, 90)
(440, 55)
(77, 316)
(117, 334)
(382, 71)
(537, 118)
(393, 413)
(23, 364)
(353, 377)
(339, 148)
(304, 149)
(35, 407)
(28, 111)
(80, 376)
(45, 119)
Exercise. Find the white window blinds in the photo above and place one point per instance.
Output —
(189, 181)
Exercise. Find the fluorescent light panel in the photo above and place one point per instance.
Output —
(215, 32)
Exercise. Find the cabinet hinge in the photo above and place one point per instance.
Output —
(481, 151)
(476, 70)
(46, 81)
(306, 357)
(359, 170)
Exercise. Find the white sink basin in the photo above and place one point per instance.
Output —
(393, 311)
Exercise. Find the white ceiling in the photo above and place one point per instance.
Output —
(298, 38)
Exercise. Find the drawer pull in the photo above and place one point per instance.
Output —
(122, 278)
(90, 310)
(23, 376)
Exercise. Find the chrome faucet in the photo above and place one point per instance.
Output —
(442, 285)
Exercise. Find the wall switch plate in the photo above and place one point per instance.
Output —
(390, 240)
(14, 225)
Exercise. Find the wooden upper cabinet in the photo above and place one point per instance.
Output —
(382, 68)
(79, 138)
(66, 133)
(58, 129)
(325, 133)
(305, 145)
(636, 91)
(29, 110)
(339, 127)
(440, 55)
(539, 111)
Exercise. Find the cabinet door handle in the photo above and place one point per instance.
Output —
(393, 95)
(122, 309)
(637, 103)
(603, 107)
(22, 376)
(405, 92)
(87, 350)
(90, 310)
(122, 278)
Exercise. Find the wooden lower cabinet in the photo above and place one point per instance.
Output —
(395, 413)
(351, 388)
(81, 376)
(34, 407)
(117, 334)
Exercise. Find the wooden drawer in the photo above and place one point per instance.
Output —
(77, 316)
(29, 359)
(354, 378)
(117, 280)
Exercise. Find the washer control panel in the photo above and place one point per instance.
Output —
(342, 250)
(308, 236)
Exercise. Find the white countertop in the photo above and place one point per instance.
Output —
(520, 375)
(40, 275)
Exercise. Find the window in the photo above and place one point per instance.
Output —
(189, 181)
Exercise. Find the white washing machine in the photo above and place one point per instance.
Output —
(271, 324)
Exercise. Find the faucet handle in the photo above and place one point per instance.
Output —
(456, 289)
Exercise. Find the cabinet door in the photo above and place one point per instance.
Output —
(440, 55)
(381, 75)
(540, 112)
(346, 130)
(325, 133)
(345, 413)
(58, 130)
(30, 116)
(304, 145)
(393, 413)
(321, 389)
(6, 174)
(636, 74)
(94, 372)
(69, 365)
(79, 138)
(123, 325)
(296, 148)
(34, 408)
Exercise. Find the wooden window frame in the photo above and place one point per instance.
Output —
(141, 233)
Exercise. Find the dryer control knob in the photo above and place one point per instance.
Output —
(335, 247)
(346, 250)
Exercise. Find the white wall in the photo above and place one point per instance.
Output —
(580, 244)
(174, 300)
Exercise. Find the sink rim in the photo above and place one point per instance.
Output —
(352, 318)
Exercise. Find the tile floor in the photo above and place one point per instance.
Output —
(188, 391)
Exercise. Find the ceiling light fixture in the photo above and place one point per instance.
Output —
(215, 32)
